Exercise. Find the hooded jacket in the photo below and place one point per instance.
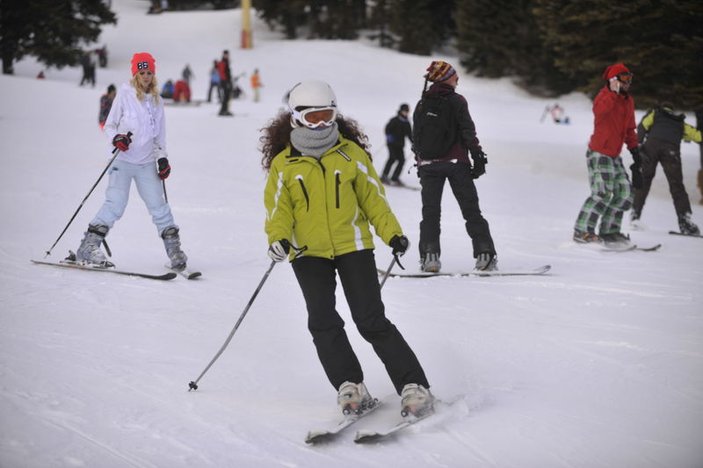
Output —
(326, 205)
(613, 123)
(145, 119)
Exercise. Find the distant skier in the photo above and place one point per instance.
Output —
(397, 130)
(256, 84)
(323, 192)
(611, 195)
(106, 104)
(138, 109)
(661, 131)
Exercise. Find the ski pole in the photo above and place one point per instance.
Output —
(163, 182)
(388, 271)
(193, 385)
(115, 152)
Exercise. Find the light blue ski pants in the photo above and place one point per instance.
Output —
(149, 187)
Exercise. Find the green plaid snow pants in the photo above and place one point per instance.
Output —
(610, 195)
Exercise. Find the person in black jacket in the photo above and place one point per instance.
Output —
(452, 164)
(662, 130)
(397, 129)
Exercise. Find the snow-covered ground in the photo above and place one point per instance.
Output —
(599, 364)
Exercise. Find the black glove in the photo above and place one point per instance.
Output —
(278, 251)
(121, 141)
(480, 162)
(399, 244)
(636, 155)
(636, 175)
(164, 168)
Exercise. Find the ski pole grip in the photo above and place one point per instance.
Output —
(129, 135)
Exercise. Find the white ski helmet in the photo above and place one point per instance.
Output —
(311, 96)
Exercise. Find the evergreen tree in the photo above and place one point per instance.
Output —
(422, 25)
(379, 21)
(660, 41)
(499, 38)
(53, 31)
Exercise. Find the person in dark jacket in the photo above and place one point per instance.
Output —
(225, 83)
(397, 129)
(611, 193)
(454, 166)
(106, 104)
(660, 132)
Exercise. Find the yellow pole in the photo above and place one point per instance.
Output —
(246, 25)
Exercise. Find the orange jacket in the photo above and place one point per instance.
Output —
(255, 81)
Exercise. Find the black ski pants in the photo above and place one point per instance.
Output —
(432, 178)
(357, 272)
(396, 155)
(669, 156)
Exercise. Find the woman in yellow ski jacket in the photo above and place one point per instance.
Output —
(326, 203)
(321, 196)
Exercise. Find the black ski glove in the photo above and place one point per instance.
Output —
(636, 175)
(480, 161)
(636, 168)
(399, 244)
(636, 155)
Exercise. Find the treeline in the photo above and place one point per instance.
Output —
(549, 47)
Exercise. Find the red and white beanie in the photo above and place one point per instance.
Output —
(439, 71)
(143, 61)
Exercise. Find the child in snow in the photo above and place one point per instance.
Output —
(323, 192)
(138, 110)
(256, 84)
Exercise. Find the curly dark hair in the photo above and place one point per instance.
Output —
(276, 136)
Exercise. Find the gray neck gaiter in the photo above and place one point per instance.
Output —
(312, 142)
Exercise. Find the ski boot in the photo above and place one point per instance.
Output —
(687, 227)
(416, 401)
(587, 237)
(172, 242)
(616, 240)
(354, 398)
(89, 251)
(486, 262)
(430, 262)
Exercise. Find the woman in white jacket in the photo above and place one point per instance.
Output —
(136, 127)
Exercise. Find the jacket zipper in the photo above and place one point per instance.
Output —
(337, 183)
(305, 193)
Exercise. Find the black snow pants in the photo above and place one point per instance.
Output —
(669, 156)
(357, 272)
(432, 177)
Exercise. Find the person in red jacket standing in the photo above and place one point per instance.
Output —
(611, 193)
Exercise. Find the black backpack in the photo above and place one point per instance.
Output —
(434, 127)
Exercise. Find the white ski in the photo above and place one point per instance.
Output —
(324, 435)
(541, 270)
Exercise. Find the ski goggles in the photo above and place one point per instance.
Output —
(315, 117)
(625, 78)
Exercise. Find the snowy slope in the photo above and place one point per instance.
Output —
(599, 364)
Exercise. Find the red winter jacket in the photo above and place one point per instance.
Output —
(614, 123)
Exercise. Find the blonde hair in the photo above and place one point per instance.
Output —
(153, 88)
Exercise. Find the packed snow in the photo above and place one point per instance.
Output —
(597, 364)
